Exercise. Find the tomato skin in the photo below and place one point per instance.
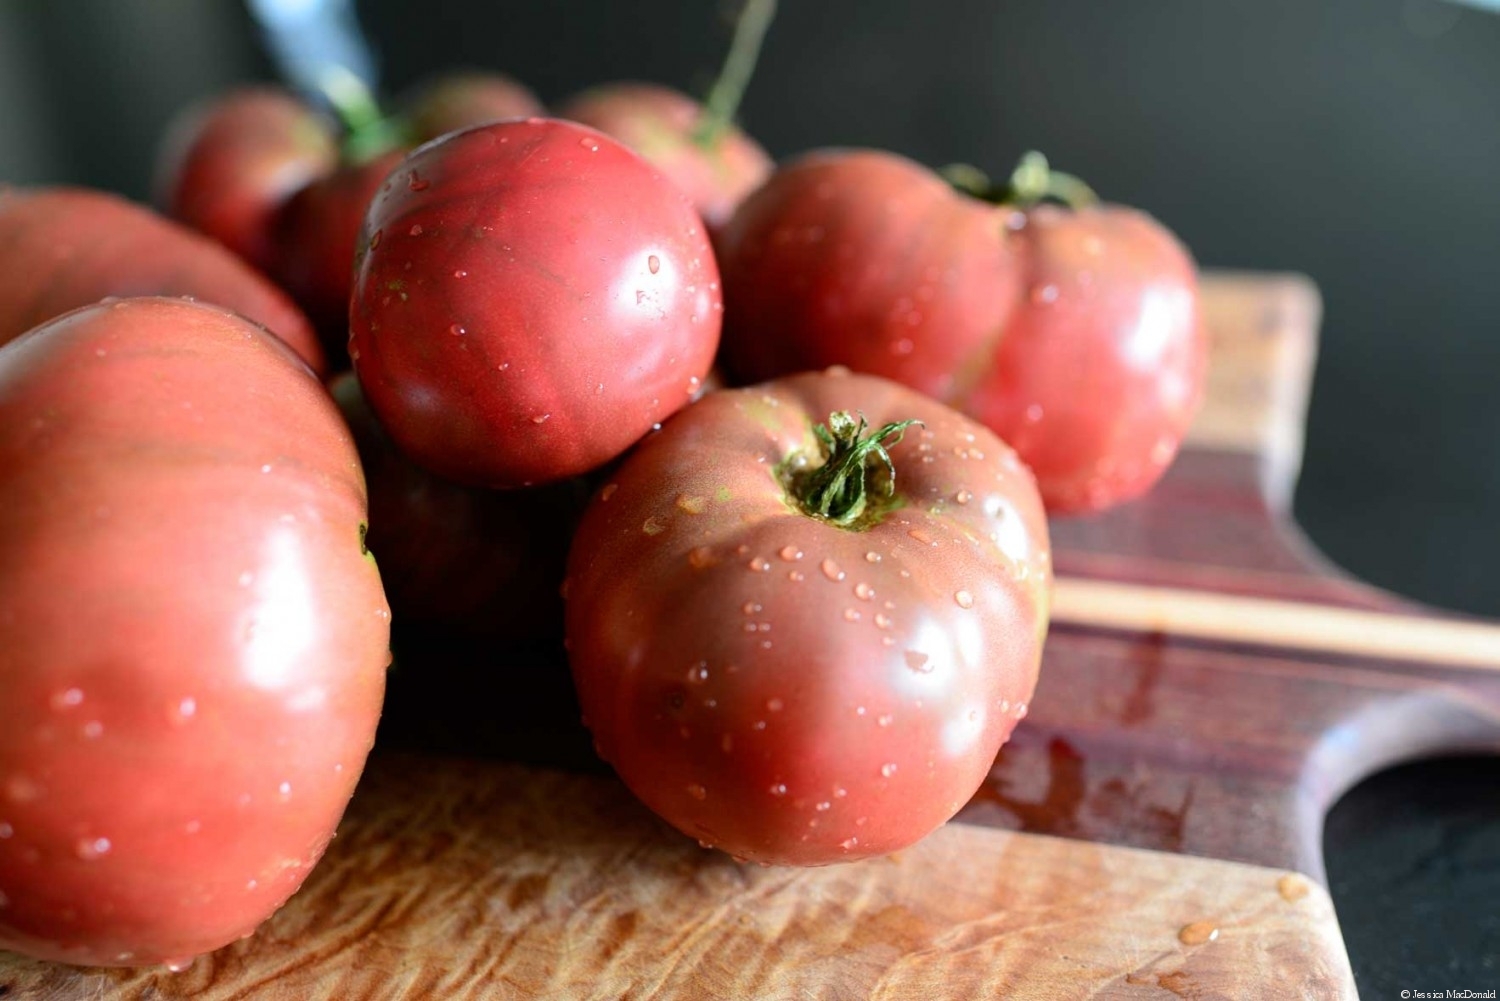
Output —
(661, 125)
(1075, 335)
(317, 235)
(531, 299)
(464, 99)
(761, 681)
(483, 563)
(1101, 370)
(194, 642)
(62, 248)
(866, 259)
(229, 165)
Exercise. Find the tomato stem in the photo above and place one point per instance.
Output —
(837, 490)
(739, 65)
(368, 131)
(1031, 183)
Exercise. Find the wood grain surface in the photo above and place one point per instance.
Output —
(1160, 811)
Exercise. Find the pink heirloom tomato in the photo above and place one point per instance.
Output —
(193, 639)
(795, 643)
(531, 299)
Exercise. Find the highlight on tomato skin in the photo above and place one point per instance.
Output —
(195, 639)
(792, 666)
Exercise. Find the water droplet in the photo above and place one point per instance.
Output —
(588, 143)
(503, 367)
(1163, 450)
(457, 330)
(964, 599)
(460, 273)
(416, 229)
(1044, 295)
(653, 263)
(872, 557)
(831, 570)
(1292, 887)
(922, 536)
(22, 788)
(706, 845)
(918, 661)
(692, 505)
(178, 965)
(790, 553)
(779, 789)
(1198, 933)
(91, 849)
(848, 843)
(701, 558)
(66, 699)
(851, 615)
(888, 769)
(823, 806)
(1021, 710)
(93, 729)
(882, 621)
(284, 790)
(760, 564)
(540, 418)
(903, 346)
(697, 791)
(962, 497)
(1033, 413)
(193, 826)
(884, 719)
(608, 491)
(751, 607)
(698, 673)
(863, 591)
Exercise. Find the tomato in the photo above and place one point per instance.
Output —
(462, 100)
(62, 248)
(229, 165)
(1074, 334)
(193, 639)
(806, 688)
(716, 171)
(485, 563)
(531, 299)
(316, 236)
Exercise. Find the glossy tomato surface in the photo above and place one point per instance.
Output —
(1075, 335)
(662, 125)
(63, 248)
(786, 689)
(531, 298)
(869, 260)
(1101, 369)
(193, 640)
(229, 165)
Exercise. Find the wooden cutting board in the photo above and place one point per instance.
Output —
(1210, 686)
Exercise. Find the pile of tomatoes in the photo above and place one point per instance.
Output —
(802, 615)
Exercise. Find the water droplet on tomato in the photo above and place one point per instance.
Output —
(589, 144)
(540, 418)
(698, 673)
(178, 965)
(888, 769)
(284, 790)
(503, 366)
(92, 730)
(697, 791)
(1044, 295)
(653, 263)
(882, 621)
(1021, 710)
(183, 711)
(872, 557)
(760, 564)
(779, 789)
(863, 591)
(1034, 413)
(831, 570)
(608, 491)
(774, 705)
(903, 346)
(416, 229)
(1198, 933)
(963, 497)
(848, 843)
(790, 553)
(701, 558)
(922, 536)
(964, 599)
(66, 699)
(22, 788)
(193, 826)
(92, 849)
(851, 615)
(460, 273)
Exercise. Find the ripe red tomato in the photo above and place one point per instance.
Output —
(1075, 335)
(715, 171)
(531, 298)
(785, 687)
(228, 166)
(462, 100)
(193, 640)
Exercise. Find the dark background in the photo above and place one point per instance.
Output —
(1355, 140)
